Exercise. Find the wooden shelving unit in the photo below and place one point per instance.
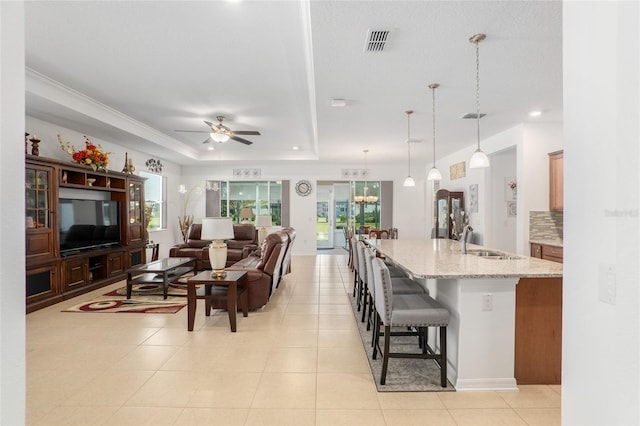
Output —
(51, 277)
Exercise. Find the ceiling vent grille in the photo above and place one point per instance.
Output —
(472, 115)
(377, 40)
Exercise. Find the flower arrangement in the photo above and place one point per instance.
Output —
(93, 155)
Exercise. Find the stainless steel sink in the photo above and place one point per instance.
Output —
(490, 254)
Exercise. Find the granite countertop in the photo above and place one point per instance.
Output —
(547, 242)
(441, 258)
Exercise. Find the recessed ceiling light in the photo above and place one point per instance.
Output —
(535, 113)
(295, 148)
(211, 148)
(338, 103)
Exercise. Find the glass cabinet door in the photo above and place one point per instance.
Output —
(135, 203)
(37, 198)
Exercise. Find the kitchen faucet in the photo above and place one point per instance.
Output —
(466, 232)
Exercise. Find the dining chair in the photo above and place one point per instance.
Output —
(418, 311)
(399, 285)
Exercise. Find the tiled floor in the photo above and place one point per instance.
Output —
(299, 361)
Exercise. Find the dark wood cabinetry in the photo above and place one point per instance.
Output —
(52, 277)
(547, 252)
(556, 181)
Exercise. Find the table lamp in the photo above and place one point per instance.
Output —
(217, 229)
(263, 221)
(246, 213)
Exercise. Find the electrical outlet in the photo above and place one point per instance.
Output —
(487, 302)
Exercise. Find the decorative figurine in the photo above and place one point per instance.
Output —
(35, 142)
(128, 164)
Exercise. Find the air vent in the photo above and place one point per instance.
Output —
(473, 115)
(377, 40)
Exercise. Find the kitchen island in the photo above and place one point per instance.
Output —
(506, 311)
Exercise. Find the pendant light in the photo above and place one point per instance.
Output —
(479, 159)
(434, 173)
(409, 182)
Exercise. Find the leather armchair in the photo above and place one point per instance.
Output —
(245, 240)
(194, 246)
(286, 262)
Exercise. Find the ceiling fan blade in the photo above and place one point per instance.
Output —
(244, 141)
(207, 140)
(246, 132)
(193, 131)
(208, 123)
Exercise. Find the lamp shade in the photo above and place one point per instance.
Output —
(434, 174)
(409, 181)
(246, 213)
(263, 220)
(479, 160)
(217, 228)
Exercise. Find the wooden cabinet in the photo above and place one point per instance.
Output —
(547, 252)
(52, 277)
(556, 181)
(448, 218)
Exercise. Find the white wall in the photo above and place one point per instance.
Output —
(600, 371)
(501, 233)
(12, 245)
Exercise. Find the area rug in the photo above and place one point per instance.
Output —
(403, 374)
(145, 299)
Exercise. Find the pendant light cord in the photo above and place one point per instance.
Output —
(409, 140)
(478, 90)
(433, 110)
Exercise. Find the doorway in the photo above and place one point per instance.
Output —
(332, 214)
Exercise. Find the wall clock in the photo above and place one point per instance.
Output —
(303, 188)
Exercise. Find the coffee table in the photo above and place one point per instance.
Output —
(236, 281)
(160, 272)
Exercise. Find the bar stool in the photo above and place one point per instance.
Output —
(414, 310)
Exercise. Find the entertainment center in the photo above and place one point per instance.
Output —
(84, 229)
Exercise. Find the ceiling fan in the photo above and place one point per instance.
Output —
(221, 133)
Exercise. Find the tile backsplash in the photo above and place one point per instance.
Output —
(545, 225)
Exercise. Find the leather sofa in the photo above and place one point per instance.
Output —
(263, 267)
(245, 240)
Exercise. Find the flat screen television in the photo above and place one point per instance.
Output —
(88, 224)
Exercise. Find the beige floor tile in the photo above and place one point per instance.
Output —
(300, 322)
(166, 389)
(334, 300)
(239, 358)
(296, 339)
(453, 400)
(337, 322)
(407, 417)
(229, 389)
(532, 396)
(80, 416)
(286, 390)
(338, 290)
(292, 360)
(169, 337)
(342, 360)
(335, 310)
(556, 388)
(339, 338)
(280, 417)
(410, 400)
(113, 387)
(190, 358)
(302, 309)
(304, 299)
(350, 418)
(346, 391)
(146, 357)
(139, 416)
(540, 416)
(212, 416)
(486, 417)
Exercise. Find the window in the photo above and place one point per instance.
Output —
(155, 200)
(262, 197)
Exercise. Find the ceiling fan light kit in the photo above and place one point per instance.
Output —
(221, 133)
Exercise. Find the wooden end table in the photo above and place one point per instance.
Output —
(236, 281)
(159, 272)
